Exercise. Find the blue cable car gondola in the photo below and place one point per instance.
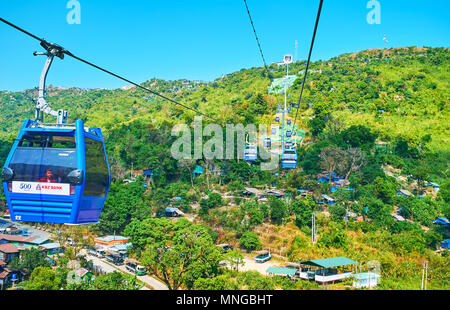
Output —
(250, 152)
(289, 121)
(277, 119)
(289, 157)
(267, 142)
(56, 174)
(288, 133)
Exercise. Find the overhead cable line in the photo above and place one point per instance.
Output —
(257, 39)
(59, 51)
(309, 58)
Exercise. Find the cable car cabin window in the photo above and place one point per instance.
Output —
(44, 158)
(96, 169)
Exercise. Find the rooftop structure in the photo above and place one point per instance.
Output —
(326, 270)
(282, 271)
(110, 240)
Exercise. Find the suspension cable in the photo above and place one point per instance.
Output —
(61, 50)
(309, 58)
(257, 39)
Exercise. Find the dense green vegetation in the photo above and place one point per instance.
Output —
(398, 96)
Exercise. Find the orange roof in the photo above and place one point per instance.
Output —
(16, 238)
(4, 274)
(8, 248)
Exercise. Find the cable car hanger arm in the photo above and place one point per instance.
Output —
(41, 105)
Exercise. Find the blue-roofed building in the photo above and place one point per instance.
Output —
(322, 178)
(442, 221)
(328, 200)
(434, 185)
(51, 248)
(445, 244)
(147, 173)
(173, 212)
(198, 170)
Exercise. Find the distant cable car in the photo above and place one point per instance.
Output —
(289, 158)
(277, 119)
(288, 133)
(267, 142)
(289, 121)
(250, 152)
(56, 173)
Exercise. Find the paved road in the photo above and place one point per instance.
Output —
(108, 268)
(154, 283)
(104, 265)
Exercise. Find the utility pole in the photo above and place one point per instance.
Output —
(313, 229)
(346, 216)
(296, 46)
(424, 274)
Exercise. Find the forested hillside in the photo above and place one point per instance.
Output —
(378, 118)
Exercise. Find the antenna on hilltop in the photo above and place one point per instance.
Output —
(385, 41)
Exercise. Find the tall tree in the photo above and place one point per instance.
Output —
(356, 159)
(187, 254)
(333, 159)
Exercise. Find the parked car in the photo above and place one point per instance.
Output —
(263, 257)
(114, 258)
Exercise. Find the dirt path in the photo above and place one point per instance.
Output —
(250, 264)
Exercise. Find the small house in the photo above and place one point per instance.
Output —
(51, 248)
(173, 212)
(326, 270)
(110, 240)
(198, 170)
(398, 217)
(277, 194)
(328, 200)
(445, 244)
(404, 192)
(250, 191)
(434, 185)
(442, 221)
(8, 252)
(147, 173)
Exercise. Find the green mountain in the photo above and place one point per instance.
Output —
(407, 86)
(379, 118)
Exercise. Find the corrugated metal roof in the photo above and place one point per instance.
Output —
(282, 271)
(8, 248)
(111, 238)
(330, 262)
(366, 275)
(52, 245)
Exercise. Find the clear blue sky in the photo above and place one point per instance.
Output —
(203, 39)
